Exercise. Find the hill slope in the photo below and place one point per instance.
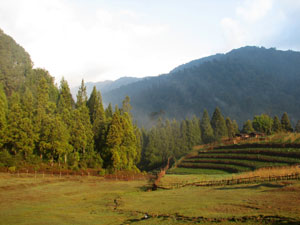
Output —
(106, 86)
(244, 82)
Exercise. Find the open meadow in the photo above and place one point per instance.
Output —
(94, 200)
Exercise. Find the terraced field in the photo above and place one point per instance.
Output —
(240, 158)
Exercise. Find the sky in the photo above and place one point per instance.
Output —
(99, 40)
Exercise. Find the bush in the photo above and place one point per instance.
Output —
(102, 172)
(12, 169)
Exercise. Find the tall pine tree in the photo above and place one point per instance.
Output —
(218, 124)
(206, 130)
(285, 123)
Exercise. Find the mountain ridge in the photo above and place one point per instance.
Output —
(243, 82)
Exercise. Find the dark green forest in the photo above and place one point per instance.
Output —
(41, 123)
(243, 82)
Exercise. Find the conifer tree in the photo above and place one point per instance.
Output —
(65, 99)
(235, 127)
(247, 127)
(176, 137)
(20, 136)
(126, 107)
(193, 132)
(218, 124)
(81, 129)
(109, 112)
(54, 138)
(206, 129)
(3, 113)
(297, 127)
(276, 125)
(81, 95)
(42, 111)
(230, 128)
(27, 104)
(98, 120)
(285, 123)
(65, 103)
(121, 143)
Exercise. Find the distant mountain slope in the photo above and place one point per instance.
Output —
(105, 86)
(243, 83)
(197, 62)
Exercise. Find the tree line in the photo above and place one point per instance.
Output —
(42, 123)
(175, 139)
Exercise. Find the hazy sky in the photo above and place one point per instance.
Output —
(105, 39)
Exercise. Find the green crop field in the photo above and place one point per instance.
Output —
(240, 158)
(92, 200)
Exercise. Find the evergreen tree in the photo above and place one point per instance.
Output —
(20, 136)
(126, 107)
(82, 138)
(27, 104)
(193, 132)
(152, 157)
(285, 123)
(81, 95)
(247, 127)
(98, 120)
(54, 138)
(297, 127)
(276, 125)
(206, 129)
(218, 124)
(121, 143)
(3, 113)
(230, 128)
(109, 112)
(65, 99)
(178, 145)
(235, 127)
(42, 111)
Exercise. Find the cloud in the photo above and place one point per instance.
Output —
(74, 41)
(266, 23)
(254, 10)
(234, 33)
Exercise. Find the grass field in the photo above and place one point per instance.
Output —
(92, 200)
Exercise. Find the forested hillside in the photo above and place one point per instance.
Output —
(244, 82)
(42, 125)
(106, 86)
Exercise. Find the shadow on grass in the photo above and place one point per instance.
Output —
(253, 186)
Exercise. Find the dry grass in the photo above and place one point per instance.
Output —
(272, 171)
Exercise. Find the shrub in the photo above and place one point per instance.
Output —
(12, 169)
(102, 172)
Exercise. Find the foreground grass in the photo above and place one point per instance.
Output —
(77, 200)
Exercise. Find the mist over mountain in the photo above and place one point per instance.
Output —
(106, 86)
(244, 82)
